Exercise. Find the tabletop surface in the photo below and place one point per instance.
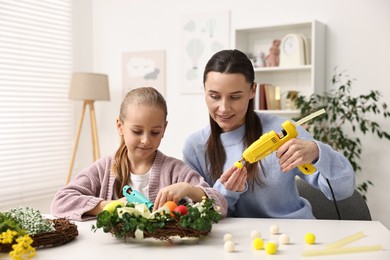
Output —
(100, 245)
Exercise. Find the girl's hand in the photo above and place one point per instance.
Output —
(124, 200)
(297, 152)
(234, 179)
(176, 192)
(100, 206)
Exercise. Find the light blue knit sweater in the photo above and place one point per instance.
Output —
(279, 197)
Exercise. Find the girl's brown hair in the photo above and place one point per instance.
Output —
(143, 96)
(232, 61)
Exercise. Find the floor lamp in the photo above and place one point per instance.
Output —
(87, 87)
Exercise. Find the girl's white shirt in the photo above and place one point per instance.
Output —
(141, 183)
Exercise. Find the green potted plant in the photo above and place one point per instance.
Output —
(345, 115)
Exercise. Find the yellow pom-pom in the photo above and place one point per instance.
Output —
(271, 248)
(258, 243)
(238, 164)
(310, 238)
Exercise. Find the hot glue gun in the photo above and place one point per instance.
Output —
(271, 141)
(134, 196)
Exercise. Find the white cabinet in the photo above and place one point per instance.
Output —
(306, 79)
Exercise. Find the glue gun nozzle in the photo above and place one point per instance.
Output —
(240, 163)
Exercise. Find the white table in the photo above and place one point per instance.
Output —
(100, 245)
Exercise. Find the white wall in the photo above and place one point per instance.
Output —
(358, 40)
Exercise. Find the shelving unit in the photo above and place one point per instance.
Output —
(305, 79)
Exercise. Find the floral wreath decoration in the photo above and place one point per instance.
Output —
(135, 220)
(24, 229)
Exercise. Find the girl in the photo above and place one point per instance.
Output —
(229, 93)
(137, 162)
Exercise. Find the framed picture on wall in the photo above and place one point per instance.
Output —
(202, 35)
(143, 69)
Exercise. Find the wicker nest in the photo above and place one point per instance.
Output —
(165, 233)
(65, 231)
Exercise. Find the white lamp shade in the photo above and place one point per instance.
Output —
(89, 86)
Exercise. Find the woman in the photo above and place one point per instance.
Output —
(267, 188)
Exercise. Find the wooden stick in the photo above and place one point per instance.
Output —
(344, 250)
(345, 241)
(95, 141)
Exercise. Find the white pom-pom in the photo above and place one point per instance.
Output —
(284, 239)
(255, 234)
(229, 246)
(274, 229)
(228, 237)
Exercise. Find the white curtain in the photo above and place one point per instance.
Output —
(36, 117)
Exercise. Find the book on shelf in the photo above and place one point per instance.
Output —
(263, 101)
(269, 96)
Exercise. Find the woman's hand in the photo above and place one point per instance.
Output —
(297, 152)
(234, 179)
(176, 192)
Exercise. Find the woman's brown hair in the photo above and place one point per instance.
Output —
(230, 62)
(144, 96)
